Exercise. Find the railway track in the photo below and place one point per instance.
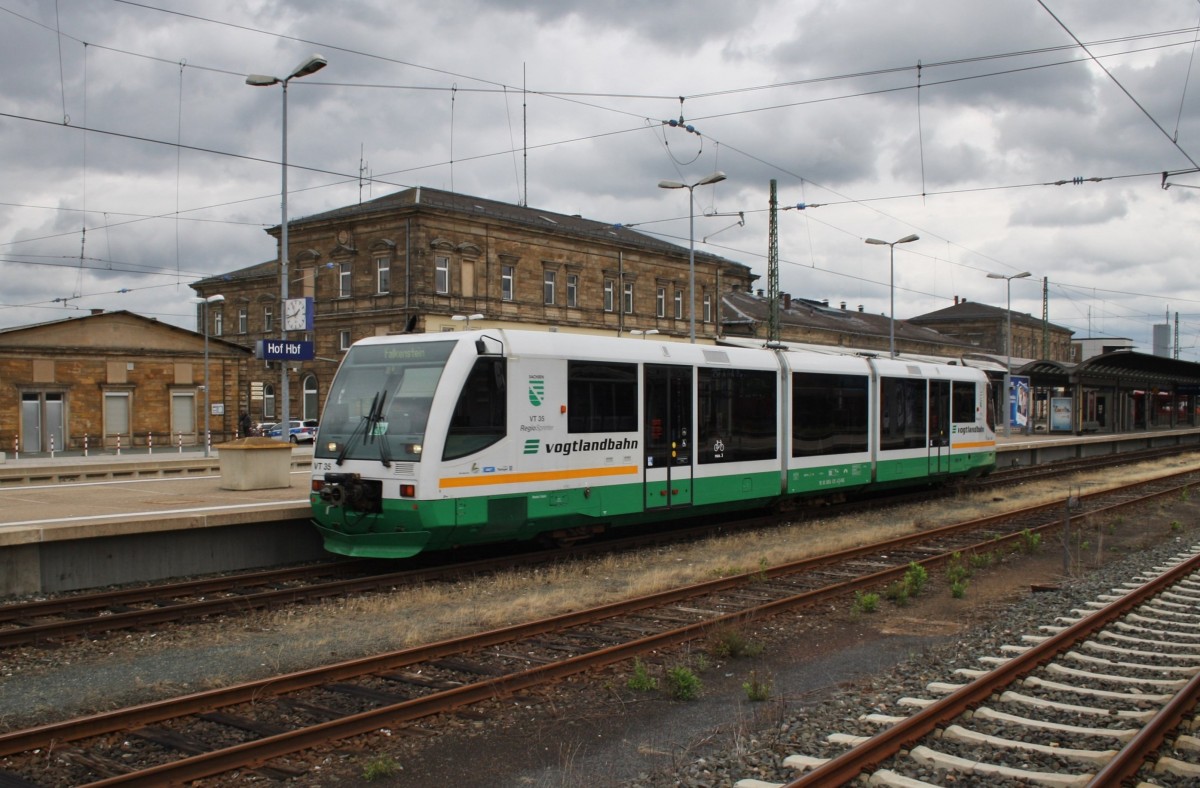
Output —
(1091, 701)
(267, 724)
(49, 622)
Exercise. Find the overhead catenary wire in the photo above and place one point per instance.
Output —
(846, 200)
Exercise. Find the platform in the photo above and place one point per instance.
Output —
(142, 517)
(77, 522)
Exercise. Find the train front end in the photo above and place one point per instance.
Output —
(367, 459)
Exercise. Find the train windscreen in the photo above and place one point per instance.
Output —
(380, 400)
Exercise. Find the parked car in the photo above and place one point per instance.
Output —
(263, 428)
(300, 432)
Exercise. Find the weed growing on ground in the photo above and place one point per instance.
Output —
(683, 683)
(757, 690)
(1176, 526)
(380, 768)
(915, 578)
(733, 644)
(641, 680)
(865, 602)
(981, 560)
(1030, 542)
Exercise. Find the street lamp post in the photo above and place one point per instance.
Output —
(716, 177)
(212, 299)
(1006, 395)
(311, 65)
(891, 245)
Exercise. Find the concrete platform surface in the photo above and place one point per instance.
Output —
(108, 495)
(70, 523)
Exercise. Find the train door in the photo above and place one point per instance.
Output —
(939, 426)
(668, 438)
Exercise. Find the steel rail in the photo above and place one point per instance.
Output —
(1132, 757)
(107, 722)
(845, 768)
(56, 733)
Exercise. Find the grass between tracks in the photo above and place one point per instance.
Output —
(411, 616)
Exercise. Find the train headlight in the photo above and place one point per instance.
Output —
(414, 448)
(331, 446)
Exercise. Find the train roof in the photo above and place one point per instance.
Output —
(648, 350)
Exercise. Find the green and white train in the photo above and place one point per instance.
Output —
(434, 441)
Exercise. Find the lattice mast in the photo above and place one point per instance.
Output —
(1045, 317)
(773, 268)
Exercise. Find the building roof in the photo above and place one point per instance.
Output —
(965, 311)
(120, 330)
(268, 269)
(536, 218)
(742, 307)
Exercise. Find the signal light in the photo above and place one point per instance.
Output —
(408, 491)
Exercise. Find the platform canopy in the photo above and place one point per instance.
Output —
(1118, 368)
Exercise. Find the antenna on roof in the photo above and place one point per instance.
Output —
(362, 168)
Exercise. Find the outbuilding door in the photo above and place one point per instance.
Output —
(42, 421)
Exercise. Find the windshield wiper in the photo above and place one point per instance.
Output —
(365, 425)
(385, 454)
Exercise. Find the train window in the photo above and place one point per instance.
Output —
(480, 415)
(962, 402)
(379, 401)
(602, 397)
(902, 413)
(829, 414)
(737, 415)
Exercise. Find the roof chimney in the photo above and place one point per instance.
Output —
(97, 311)
(787, 300)
(843, 305)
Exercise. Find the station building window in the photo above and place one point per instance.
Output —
(311, 409)
(383, 274)
(572, 290)
(183, 413)
(442, 275)
(508, 274)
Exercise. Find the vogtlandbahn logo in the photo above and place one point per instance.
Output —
(537, 392)
(531, 444)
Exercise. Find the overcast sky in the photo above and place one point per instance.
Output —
(136, 160)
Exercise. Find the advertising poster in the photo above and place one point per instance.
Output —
(1020, 402)
(1061, 414)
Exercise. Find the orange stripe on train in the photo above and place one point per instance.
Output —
(537, 476)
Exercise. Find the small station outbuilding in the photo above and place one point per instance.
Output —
(112, 377)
